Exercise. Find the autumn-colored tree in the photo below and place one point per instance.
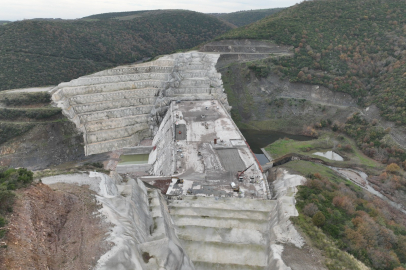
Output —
(319, 219)
(392, 168)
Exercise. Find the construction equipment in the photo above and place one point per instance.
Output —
(241, 173)
(235, 187)
(179, 181)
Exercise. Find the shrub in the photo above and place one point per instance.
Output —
(6, 200)
(25, 98)
(310, 209)
(11, 179)
(2, 221)
(392, 168)
(319, 219)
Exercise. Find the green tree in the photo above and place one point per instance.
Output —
(319, 219)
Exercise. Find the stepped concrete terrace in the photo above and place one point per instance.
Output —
(120, 107)
(224, 233)
(232, 51)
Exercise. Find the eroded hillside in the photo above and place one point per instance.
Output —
(54, 227)
(33, 134)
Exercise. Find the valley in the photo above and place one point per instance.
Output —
(275, 145)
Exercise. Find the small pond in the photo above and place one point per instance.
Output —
(134, 159)
(258, 139)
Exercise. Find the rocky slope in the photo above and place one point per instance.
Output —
(33, 134)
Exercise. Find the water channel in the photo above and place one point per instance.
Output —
(258, 139)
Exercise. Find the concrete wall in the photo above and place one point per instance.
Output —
(163, 157)
(133, 168)
(137, 150)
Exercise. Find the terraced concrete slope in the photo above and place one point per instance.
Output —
(224, 233)
(245, 50)
(119, 107)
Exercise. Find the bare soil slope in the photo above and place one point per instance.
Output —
(54, 228)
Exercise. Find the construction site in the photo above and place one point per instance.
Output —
(185, 190)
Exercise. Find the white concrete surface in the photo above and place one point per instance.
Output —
(282, 230)
(330, 155)
(82, 179)
(230, 233)
(29, 90)
(204, 173)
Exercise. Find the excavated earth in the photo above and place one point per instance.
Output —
(54, 227)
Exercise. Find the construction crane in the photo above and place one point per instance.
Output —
(239, 174)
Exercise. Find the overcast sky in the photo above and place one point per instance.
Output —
(72, 9)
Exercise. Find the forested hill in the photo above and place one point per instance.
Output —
(353, 46)
(3, 22)
(245, 17)
(37, 53)
(125, 15)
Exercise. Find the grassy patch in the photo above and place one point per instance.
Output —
(19, 99)
(307, 168)
(37, 113)
(328, 141)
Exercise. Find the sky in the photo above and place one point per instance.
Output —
(13, 10)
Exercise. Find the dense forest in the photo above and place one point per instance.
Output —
(353, 46)
(38, 53)
(245, 17)
(121, 15)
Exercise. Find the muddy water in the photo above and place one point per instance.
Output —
(258, 139)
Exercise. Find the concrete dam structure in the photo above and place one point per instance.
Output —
(201, 199)
(119, 107)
